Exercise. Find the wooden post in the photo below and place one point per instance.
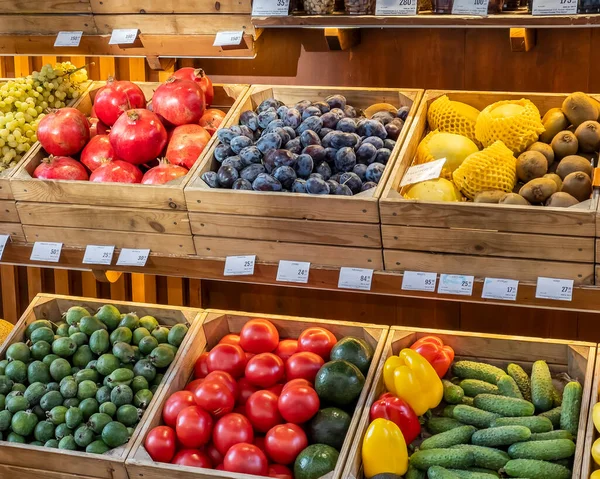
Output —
(34, 282)
(195, 291)
(48, 60)
(22, 66)
(10, 293)
(62, 284)
(174, 291)
(89, 285)
(143, 288)
(106, 67)
(342, 38)
(118, 289)
(522, 39)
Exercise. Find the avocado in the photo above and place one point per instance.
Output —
(339, 382)
(315, 461)
(329, 426)
(354, 350)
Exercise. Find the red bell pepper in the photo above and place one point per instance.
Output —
(439, 356)
(399, 412)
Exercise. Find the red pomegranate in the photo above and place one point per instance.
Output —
(116, 171)
(179, 102)
(96, 151)
(60, 168)
(138, 136)
(186, 144)
(116, 98)
(211, 120)
(163, 173)
(97, 127)
(64, 132)
(197, 75)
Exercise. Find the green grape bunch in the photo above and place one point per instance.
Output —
(24, 101)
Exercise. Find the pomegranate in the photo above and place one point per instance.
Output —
(163, 173)
(116, 171)
(64, 132)
(138, 136)
(211, 120)
(186, 144)
(116, 98)
(97, 127)
(60, 168)
(97, 151)
(197, 75)
(179, 102)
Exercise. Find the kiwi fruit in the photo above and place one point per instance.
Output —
(573, 163)
(554, 121)
(554, 177)
(513, 199)
(530, 165)
(578, 185)
(538, 190)
(588, 136)
(490, 196)
(544, 149)
(561, 200)
(564, 144)
(579, 107)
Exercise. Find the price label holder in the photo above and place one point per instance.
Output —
(68, 39)
(3, 241)
(270, 8)
(355, 278)
(554, 288)
(554, 7)
(230, 40)
(396, 7)
(239, 265)
(126, 37)
(43, 251)
(456, 284)
(419, 281)
(293, 271)
(133, 257)
(470, 7)
(498, 288)
(424, 172)
(98, 254)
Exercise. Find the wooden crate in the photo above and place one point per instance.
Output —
(32, 461)
(506, 241)
(79, 213)
(330, 230)
(215, 325)
(588, 465)
(573, 357)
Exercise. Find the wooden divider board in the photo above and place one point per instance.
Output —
(591, 433)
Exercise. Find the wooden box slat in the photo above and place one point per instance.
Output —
(105, 7)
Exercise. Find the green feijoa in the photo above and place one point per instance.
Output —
(42, 334)
(62, 330)
(149, 322)
(176, 334)
(18, 352)
(130, 431)
(14, 437)
(39, 412)
(73, 329)
(148, 344)
(139, 383)
(62, 430)
(38, 372)
(146, 369)
(107, 363)
(40, 323)
(161, 356)
(6, 384)
(91, 364)
(89, 324)
(71, 402)
(34, 393)
(120, 377)
(139, 334)
(115, 434)
(121, 395)
(121, 335)
(17, 371)
(89, 406)
(129, 320)
(98, 421)
(108, 408)
(109, 315)
(64, 347)
(103, 395)
(161, 334)
(171, 347)
(86, 389)
(79, 338)
(123, 352)
(153, 389)
(82, 356)
(13, 394)
(50, 358)
(128, 366)
(74, 417)
(35, 443)
(87, 375)
(3, 365)
(68, 443)
(3, 401)
(53, 386)
(50, 400)
(97, 447)
(52, 443)
(142, 398)
(60, 368)
(75, 370)
(40, 350)
(128, 415)
(74, 314)
(68, 389)
(83, 436)
(19, 388)
(137, 355)
(99, 342)
(5, 418)
(57, 415)
(16, 403)
(23, 423)
(65, 379)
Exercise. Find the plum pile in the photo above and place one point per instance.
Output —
(321, 148)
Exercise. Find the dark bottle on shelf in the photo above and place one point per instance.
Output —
(495, 6)
(442, 6)
(588, 6)
(511, 5)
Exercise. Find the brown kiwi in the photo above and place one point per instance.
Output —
(554, 121)
(578, 185)
(513, 199)
(554, 177)
(538, 190)
(579, 107)
(573, 163)
(545, 150)
(588, 136)
(530, 165)
(490, 196)
(564, 144)
(561, 200)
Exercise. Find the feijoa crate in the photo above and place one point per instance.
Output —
(575, 358)
(324, 230)
(215, 325)
(79, 213)
(23, 460)
(502, 241)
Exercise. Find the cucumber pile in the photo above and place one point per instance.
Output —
(500, 422)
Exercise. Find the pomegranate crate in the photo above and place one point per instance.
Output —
(575, 358)
(215, 325)
(31, 462)
(79, 213)
(502, 241)
(329, 230)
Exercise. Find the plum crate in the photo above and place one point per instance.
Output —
(321, 229)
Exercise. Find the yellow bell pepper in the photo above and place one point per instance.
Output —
(384, 449)
(596, 416)
(596, 451)
(595, 475)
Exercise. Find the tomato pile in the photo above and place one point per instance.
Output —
(128, 141)
(264, 406)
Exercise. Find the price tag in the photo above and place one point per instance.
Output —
(554, 7)
(272, 8)
(554, 288)
(396, 7)
(470, 7)
(123, 36)
(456, 284)
(355, 278)
(68, 39)
(239, 265)
(97, 254)
(497, 288)
(424, 172)
(3, 240)
(293, 271)
(228, 39)
(133, 257)
(419, 281)
(43, 251)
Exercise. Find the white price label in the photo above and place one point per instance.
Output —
(270, 7)
(239, 265)
(43, 251)
(68, 39)
(3, 241)
(396, 7)
(419, 281)
(424, 172)
(123, 36)
(470, 7)
(498, 288)
(456, 284)
(355, 278)
(133, 257)
(98, 254)
(554, 7)
(554, 288)
(225, 39)
(293, 271)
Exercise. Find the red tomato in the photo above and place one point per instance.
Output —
(228, 358)
(318, 341)
(265, 370)
(201, 367)
(249, 356)
(284, 442)
(247, 459)
(160, 444)
(261, 409)
(298, 404)
(215, 397)
(259, 441)
(297, 382)
(194, 427)
(303, 365)
(230, 339)
(280, 472)
(240, 410)
(176, 402)
(193, 385)
(215, 456)
(220, 467)
(276, 389)
(259, 336)
(286, 348)
(232, 429)
(193, 458)
(226, 379)
(245, 390)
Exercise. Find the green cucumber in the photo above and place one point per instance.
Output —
(571, 406)
(554, 416)
(467, 401)
(454, 458)
(556, 398)
(474, 370)
(556, 434)
(472, 474)
(533, 469)
(437, 425)
(473, 387)
(473, 416)
(414, 473)
(483, 470)
(533, 423)
(486, 457)
(504, 406)
(449, 411)
(552, 450)
(508, 387)
(500, 436)
(437, 472)
(541, 386)
(459, 435)
(452, 394)
(521, 378)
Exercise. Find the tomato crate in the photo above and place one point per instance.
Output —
(330, 230)
(79, 213)
(32, 461)
(215, 325)
(575, 358)
(493, 240)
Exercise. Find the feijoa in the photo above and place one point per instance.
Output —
(37, 371)
(34, 393)
(121, 334)
(57, 415)
(64, 347)
(60, 368)
(74, 314)
(130, 320)
(177, 334)
(68, 443)
(148, 322)
(108, 408)
(147, 344)
(142, 398)
(128, 415)
(107, 363)
(109, 315)
(97, 447)
(161, 356)
(98, 421)
(18, 351)
(44, 431)
(40, 350)
(83, 436)
(139, 334)
(62, 430)
(15, 404)
(17, 371)
(115, 434)
(89, 407)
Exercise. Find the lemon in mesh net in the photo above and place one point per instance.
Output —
(437, 145)
(516, 123)
(493, 168)
(453, 117)
(439, 189)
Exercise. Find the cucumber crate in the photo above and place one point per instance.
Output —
(591, 433)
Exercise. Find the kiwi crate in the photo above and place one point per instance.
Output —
(30, 462)
(577, 359)
(79, 213)
(329, 230)
(502, 241)
(215, 325)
